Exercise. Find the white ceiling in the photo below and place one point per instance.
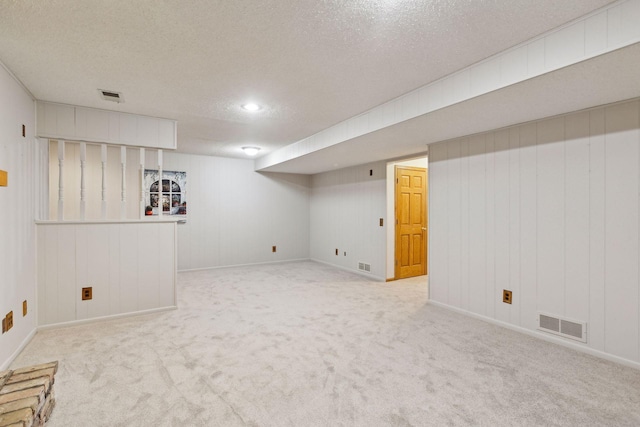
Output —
(598, 81)
(310, 63)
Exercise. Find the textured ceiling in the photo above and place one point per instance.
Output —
(311, 63)
(550, 94)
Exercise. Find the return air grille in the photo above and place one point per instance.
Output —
(563, 327)
(109, 95)
(550, 323)
(363, 266)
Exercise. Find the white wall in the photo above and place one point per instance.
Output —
(76, 123)
(346, 207)
(549, 210)
(235, 215)
(17, 230)
(129, 265)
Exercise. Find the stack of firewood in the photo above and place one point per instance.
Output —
(26, 395)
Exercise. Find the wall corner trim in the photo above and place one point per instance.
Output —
(105, 318)
(354, 271)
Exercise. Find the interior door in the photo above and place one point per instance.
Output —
(411, 222)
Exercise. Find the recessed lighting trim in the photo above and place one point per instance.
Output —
(251, 151)
(251, 106)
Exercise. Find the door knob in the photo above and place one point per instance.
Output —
(424, 228)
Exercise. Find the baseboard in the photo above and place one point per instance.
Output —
(541, 335)
(244, 265)
(21, 347)
(350, 270)
(104, 318)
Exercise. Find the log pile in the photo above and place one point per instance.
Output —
(26, 395)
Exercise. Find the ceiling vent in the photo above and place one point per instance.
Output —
(109, 95)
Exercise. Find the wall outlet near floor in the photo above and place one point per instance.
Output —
(273, 248)
(87, 293)
(336, 251)
(506, 296)
(24, 308)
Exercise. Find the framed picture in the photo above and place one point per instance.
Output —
(166, 195)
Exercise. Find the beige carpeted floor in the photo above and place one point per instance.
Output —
(303, 344)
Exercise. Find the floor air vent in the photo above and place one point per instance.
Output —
(563, 327)
(363, 266)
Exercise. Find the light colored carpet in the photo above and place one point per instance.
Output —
(303, 344)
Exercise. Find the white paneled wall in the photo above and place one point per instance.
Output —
(18, 156)
(346, 207)
(75, 123)
(549, 210)
(130, 266)
(236, 214)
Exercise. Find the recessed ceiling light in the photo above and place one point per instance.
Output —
(251, 151)
(251, 106)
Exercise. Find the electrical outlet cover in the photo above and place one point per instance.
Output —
(507, 296)
(87, 293)
(9, 320)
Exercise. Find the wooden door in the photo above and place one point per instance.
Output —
(411, 222)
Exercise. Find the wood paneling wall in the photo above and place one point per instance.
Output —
(549, 210)
(74, 123)
(346, 207)
(235, 215)
(130, 266)
(18, 156)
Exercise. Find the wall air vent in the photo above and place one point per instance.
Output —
(109, 95)
(363, 266)
(563, 327)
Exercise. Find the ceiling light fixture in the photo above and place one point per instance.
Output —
(251, 151)
(251, 106)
